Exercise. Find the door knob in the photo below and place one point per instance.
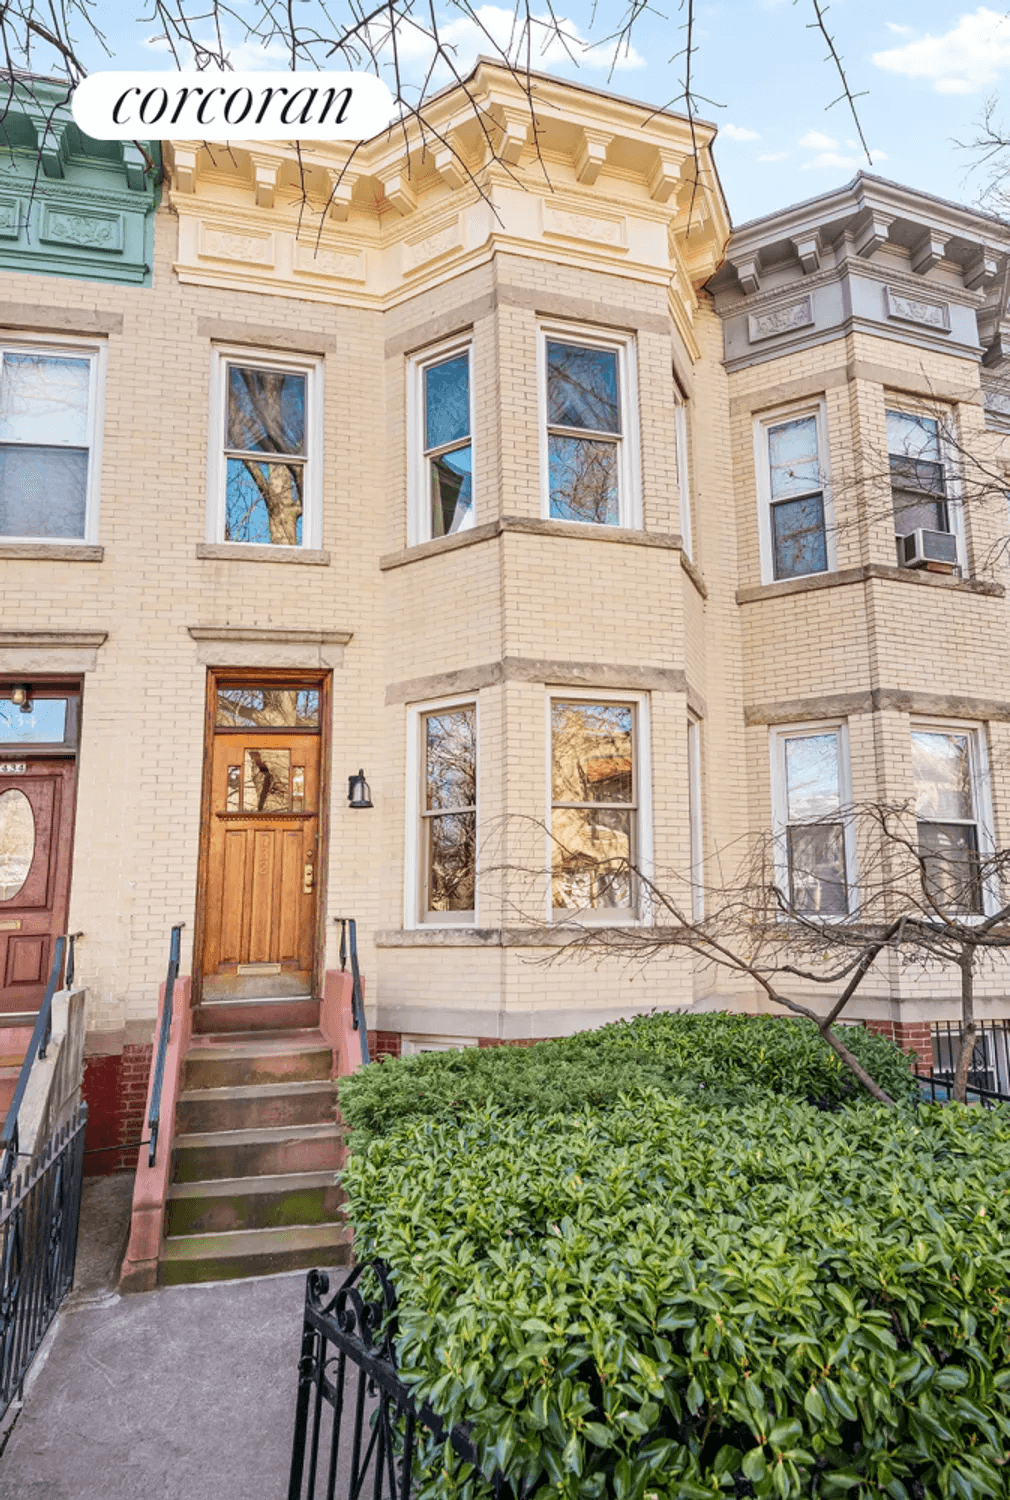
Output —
(307, 880)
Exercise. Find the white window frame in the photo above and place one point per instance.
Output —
(948, 456)
(642, 914)
(780, 809)
(254, 358)
(981, 785)
(411, 1046)
(97, 353)
(418, 491)
(415, 916)
(629, 474)
(683, 474)
(696, 818)
(762, 468)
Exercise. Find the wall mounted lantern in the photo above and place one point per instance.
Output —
(358, 793)
(22, 697)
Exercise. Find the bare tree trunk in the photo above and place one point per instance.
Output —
(853, 1063)
(966, 963)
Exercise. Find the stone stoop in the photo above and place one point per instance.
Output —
(257, 1147)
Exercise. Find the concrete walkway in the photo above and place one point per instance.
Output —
(187, 1393)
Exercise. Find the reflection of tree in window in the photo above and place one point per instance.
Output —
(815, 835)
(947, 820)
(918, 487)
(267, 708)
(450, 808)
(447, 447)
(266, 415)
(266, 781)
(797, 511)
(583, 433)
(592, 804)
(44, 401)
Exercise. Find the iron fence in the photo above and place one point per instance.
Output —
(990, 1061)
(939, 1088)
(355, 1419)
(39, 1215)
(37, 1045)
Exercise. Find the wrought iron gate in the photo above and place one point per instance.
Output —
(39, 1214)
(355, 1417)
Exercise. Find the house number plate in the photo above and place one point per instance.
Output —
(12, 767)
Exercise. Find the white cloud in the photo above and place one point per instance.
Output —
(900, 30)
(839, 162)
(738, 133)
(773, 156)
(963, 60)
(814, 140)
(495, 31)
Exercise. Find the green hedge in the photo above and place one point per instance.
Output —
(656, 1300)
(731, 1056)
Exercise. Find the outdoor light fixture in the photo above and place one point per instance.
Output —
(22, 696)
(358, 793)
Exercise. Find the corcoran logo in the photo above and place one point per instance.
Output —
(214, 106)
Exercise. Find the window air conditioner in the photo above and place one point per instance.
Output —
(936, 550)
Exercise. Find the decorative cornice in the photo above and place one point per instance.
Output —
(585, 675)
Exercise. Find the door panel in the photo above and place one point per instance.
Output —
(264, 828)
(35, 870)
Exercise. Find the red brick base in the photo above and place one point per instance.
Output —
(383, 1044)
(115, 1087)
(910, 1036)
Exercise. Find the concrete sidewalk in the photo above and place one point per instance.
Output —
(187, 1393)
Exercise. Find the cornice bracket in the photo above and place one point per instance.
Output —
(807, 248)
(928, 251)
(397, 191)
(266, 170)
(515, 133)
(590, 154)
(665, 178)
(184, 155)
(53, 145)
(748, 274)
(981, 270)
(449, 167)
(872, 233)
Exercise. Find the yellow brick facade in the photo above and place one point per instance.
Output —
(517, 608)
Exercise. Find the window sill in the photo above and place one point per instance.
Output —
(531, 526)
(752, 593)
(692, 571)
(248, 552)
(487, 937)
(52, 551)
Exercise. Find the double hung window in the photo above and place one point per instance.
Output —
(441, 443)
(918, 481)
(48, 443)
(683, 474)
(448, 813)
(813, 834)
(594, 806)
(791, 480)
(588, 437)
(266, 457)
(950, 791)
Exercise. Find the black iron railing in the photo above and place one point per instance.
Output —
(939, 1087)
(43, 1030)
(39, 1215)
(154, 1113)
(349, 930)
(989, 1071)
(355, 1419)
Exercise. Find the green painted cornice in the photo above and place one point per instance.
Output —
(69, 205)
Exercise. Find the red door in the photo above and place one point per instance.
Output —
(36, 834)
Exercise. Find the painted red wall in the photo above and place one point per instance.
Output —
(115, 1087)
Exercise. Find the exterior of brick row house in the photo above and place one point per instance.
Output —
(466, 473)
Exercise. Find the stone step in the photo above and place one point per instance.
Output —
(232, 1203)
(305, 1102)
(253, 1252)
(231, 1060)
(270, 1013)
(9, 1075)
(257, 1153)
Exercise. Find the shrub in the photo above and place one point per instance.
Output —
(650, 1299)
(732, 1055)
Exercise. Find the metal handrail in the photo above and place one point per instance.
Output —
(154, 1113)
(41, 1033)
(357, 1000)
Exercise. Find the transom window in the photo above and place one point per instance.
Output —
(813, 852)
(588, 436)
(594, 806)
(449, 813)
(48, 466)
(948, 771)
(918, 483)
(793, 483)
(267, 468)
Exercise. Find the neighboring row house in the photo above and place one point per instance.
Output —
(518, 484)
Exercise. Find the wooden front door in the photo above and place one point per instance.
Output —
(36, 837)
(262, 860)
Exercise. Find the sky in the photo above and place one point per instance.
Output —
(923, 73)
